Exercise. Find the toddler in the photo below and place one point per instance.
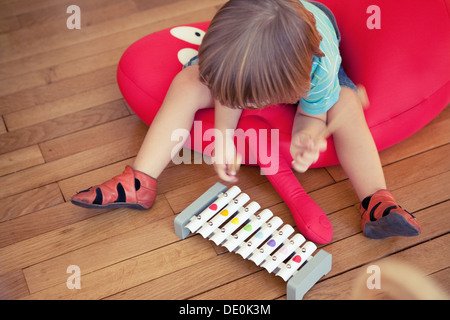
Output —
(256, 54)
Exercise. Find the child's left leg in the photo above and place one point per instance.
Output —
(381, 216)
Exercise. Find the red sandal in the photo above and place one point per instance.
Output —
(132, 189)
(382, 217)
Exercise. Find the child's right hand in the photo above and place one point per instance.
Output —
(227, 161)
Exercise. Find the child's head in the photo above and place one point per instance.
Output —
(259, 52)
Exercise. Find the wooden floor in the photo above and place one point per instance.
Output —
(64, 126)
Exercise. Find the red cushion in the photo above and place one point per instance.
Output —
(404, 67)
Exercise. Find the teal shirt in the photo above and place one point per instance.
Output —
(325, 87)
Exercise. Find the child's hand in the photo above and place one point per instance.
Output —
(227, 162)
(305, 151)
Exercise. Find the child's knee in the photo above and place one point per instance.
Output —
(349, 96)
(347, 109)
(349, 101)
(188, 77)
(187, 85)
(188, 80)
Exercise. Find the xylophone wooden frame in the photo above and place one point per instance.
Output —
(298, 285)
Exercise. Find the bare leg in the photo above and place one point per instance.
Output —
(136, 187)
(381, 216)
(355, 146)
(185, 97)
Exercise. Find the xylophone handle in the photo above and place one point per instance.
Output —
(308, 275)
(195, 208)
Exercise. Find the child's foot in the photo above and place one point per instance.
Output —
(132, 189)
(382, 217)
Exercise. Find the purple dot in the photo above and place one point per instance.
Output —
(272, 243)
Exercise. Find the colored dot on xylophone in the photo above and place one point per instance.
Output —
(213, 207)
(272, 243)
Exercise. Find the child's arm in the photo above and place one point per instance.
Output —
(307, 141)
(225, 156)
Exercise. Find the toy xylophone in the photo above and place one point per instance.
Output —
(223, 217)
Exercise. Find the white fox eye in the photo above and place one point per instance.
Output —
(188, 34)
(185, 55)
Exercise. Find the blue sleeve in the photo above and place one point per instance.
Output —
(325, 88)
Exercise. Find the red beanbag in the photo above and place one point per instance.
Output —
(404, 66)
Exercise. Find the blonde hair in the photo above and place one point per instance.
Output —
(259, 52)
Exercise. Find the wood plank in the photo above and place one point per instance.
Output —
(257, 286)
(185, 283)
(34, 200)
(50, 172)
(342, 287)
(16, 50)
(121, 39)
(42, 221)
(442, 279)
(345, 222)
(405, 172)
(132, 272)
(24, 117)
(40, 23)
(62, 125)
(2, 126)
(107, 252)
(48, 94)
(104, 225)
(335, 197)
(20, 159)
(431, 136)
(149, 4)
(23, 6)
(9, 24)
(425, 193)
(13, 285)
(91, 138)
(60, 72)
